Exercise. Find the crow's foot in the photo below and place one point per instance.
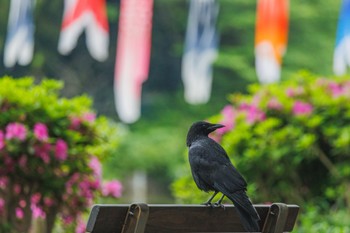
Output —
(218, 204)
(208, 204)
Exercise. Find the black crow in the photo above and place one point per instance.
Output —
(212, 170)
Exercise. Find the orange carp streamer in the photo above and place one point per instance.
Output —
(271, 36)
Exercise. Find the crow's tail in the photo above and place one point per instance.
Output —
(246, 211)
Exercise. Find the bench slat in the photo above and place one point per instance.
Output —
(180, 218)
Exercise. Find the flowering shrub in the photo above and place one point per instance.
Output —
(293, 135)
(50, 151)
(290, 140)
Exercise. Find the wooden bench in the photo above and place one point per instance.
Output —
(140, 218)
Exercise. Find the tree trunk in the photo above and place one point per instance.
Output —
(51, 218)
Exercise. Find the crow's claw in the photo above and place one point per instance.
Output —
(217, 204)
(208, 204)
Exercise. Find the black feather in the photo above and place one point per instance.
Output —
(212, 170)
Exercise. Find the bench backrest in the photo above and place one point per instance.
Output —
(139, 218)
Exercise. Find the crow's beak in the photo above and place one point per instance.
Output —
(215, 127)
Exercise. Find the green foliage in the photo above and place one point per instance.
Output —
(186, 191)
(310, 45)
(49, 154)
(291, 141)
(315, 219)
(154, 151)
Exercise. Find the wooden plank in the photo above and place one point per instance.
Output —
(107, 218)
(180, 218)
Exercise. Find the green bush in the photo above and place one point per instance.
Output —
(290, 140)
(50, 151)
(315, 219)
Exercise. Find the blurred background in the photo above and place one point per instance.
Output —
(151, 152)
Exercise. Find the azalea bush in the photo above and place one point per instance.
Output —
(50, 152)
(291, 141)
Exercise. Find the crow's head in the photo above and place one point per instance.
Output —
(200, 128)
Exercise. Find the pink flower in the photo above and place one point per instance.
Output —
(67, 219)
(19, 213)
(35, 198)
(48, 201)
(112, 188)
(16, 130)
(336, 89)
(2, 140)
(85, 189)
(228, 114)
(274, 104)
(322, 81)
(61, 150)
(9, 163)
(3, 182)
(291, 92)
(23, 161)
(301, 108)
(17, 188)
(2, 205)
(43, 152)
(74, 123)
(96, 167)
(89, 117)
(40, 132)
(254, 114)
(80, 228)
(22, 203)
(37, 211)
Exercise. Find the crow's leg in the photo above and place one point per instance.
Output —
(218, 203)
(208, 203)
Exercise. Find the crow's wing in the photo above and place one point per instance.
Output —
(228, 178)
(210, 164)
(213, 170)
(199, 163)
(234, 187)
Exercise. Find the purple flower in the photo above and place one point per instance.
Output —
(40, 132)
(112, 188)
(16, 130)
(61, 149)
(2, 140)
(302, 108)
